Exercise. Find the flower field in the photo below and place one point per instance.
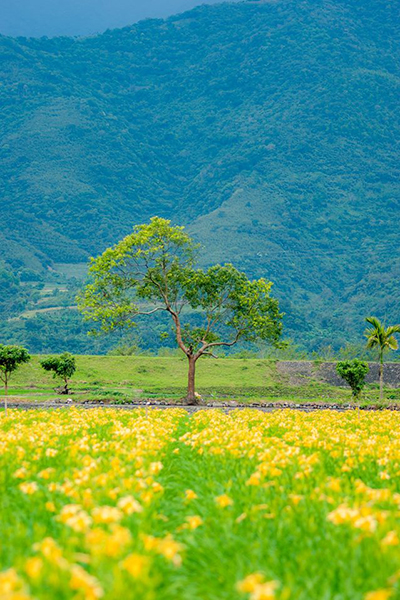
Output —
(240, 506)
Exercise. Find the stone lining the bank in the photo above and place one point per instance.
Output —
(300, 373)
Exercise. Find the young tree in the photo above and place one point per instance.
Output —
(383, 339)
(10, 359)
(63, 366)
(153, 269)
(353, 372)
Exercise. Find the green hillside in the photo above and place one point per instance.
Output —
(269, 128)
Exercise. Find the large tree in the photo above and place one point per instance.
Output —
(153, 270)
(10, 359)
(383, 339)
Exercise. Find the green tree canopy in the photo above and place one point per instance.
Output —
(10, 359)
(353, 372)
(62, 366)
(153, 269)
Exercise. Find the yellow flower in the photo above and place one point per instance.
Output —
(51, 551)
(190, 495)
(223, 501)
(104, 544)
(50, 506)
(150, 542)
(20, 473)
(390, 539)
(28, 487)
(155, 468)
(136, 565)
(194, 521)
(295, 498)
(367, 523)
(383, 594)
(264, 591)
(68, 511)
(87, 584)
(170, 549)
(129, 505)
(33, 567)
(46, 473)
(334, 484)
(11, 586)
(79, 522)
(342, 514)
(249, 583)
(254, 479)
(51, 452)
(106, 514)
(9, 581)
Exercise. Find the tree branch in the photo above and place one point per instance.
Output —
(150, 312)
(205, 347)
(178, 328)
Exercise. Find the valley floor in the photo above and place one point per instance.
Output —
(129, 379)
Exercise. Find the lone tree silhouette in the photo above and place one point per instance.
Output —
(153, 270)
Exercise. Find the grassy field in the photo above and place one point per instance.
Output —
(247, 506)
(125, 378)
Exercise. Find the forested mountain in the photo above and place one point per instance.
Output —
(271, 129)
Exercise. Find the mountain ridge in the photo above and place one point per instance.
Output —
(269, 129)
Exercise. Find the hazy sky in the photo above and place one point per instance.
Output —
(82, 17)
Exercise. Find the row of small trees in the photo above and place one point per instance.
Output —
(11, 357)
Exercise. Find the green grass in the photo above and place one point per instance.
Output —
(124, 378)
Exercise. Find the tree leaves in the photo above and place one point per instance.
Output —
(153, 269)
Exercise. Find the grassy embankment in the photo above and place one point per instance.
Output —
(124, 378)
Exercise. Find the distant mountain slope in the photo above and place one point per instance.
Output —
(270, 128)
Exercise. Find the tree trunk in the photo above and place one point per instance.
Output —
(381, 378)
(190, 396)
(5, 396)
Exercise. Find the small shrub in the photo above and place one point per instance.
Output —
(353, 372)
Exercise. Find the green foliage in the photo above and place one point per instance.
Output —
(155, 265)
(381, 337)
(353, 372)
(63, 366)
(148, 265)
(10, 359)
(231, 302)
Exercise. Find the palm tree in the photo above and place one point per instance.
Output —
(382, 338)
